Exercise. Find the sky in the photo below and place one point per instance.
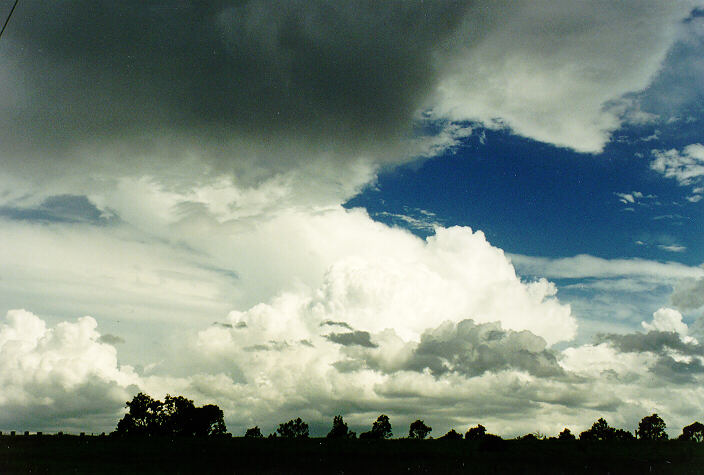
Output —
(463, 212)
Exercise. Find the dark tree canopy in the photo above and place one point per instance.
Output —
(293, 429)
(601, 430)
(452, 435)
(693, 432)
(340, 430)
(143, 418)
(566, 434)
(651, 428)
(175, 416)
(253, 433)
(381, 429)
(418, 430)
(475, 433)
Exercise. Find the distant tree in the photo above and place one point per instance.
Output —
(566, 435)
(178, 415)
(339, 429)
(651, 428)
(693, 432)
(175, 416)
(418, 430)
(452, 435)
(182, 417)
(620, 434)
(600, 430)
(209, 420)
(253, 433)
(143, 418)
(528, 437)
(381, 429)
(293, 429)
(475, 433)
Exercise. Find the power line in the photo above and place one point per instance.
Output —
(8, 18)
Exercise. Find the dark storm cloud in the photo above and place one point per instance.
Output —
(59, 209)
(472, 349)
(342, 75)
(356, 338)
(653, 341)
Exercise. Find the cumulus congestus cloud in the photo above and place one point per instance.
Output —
(67, 375)
(165, 165)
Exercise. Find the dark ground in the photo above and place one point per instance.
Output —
(73, 454)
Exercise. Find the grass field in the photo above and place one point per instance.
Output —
(92, 454)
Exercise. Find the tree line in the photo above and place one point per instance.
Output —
(178, 416)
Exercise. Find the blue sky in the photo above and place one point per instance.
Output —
(309, 209)
(536, 199)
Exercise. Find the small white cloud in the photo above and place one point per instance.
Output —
(626, 197)
(668, 320)
(633, 198)
(672, 247)
(686, 166)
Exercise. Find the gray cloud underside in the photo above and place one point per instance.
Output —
(661, 343)
(111, 339)
(249, 87)
(60, 209)
(333, 323)
(678, 372)
(465, 348)
(472, 349)
(342, 76)
(359, 338)
(653, 341)
(689, 294)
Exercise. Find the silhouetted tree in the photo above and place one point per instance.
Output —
(452, 435)
(476, 433)
(293, 429)
(600, 430)
(209, 420)
(418, 430)
(253, 433)
(566, 435)
(651, 428)
(143, 418)
(381, 429)
(182, 417)
(693, 432)
(178, 415)
(175, 416)
(339, 429)
(620, 434)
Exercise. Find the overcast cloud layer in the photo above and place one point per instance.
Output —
(177, 172)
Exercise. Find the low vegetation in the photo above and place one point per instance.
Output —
(174, 435)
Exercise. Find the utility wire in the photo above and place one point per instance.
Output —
(8, 18)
